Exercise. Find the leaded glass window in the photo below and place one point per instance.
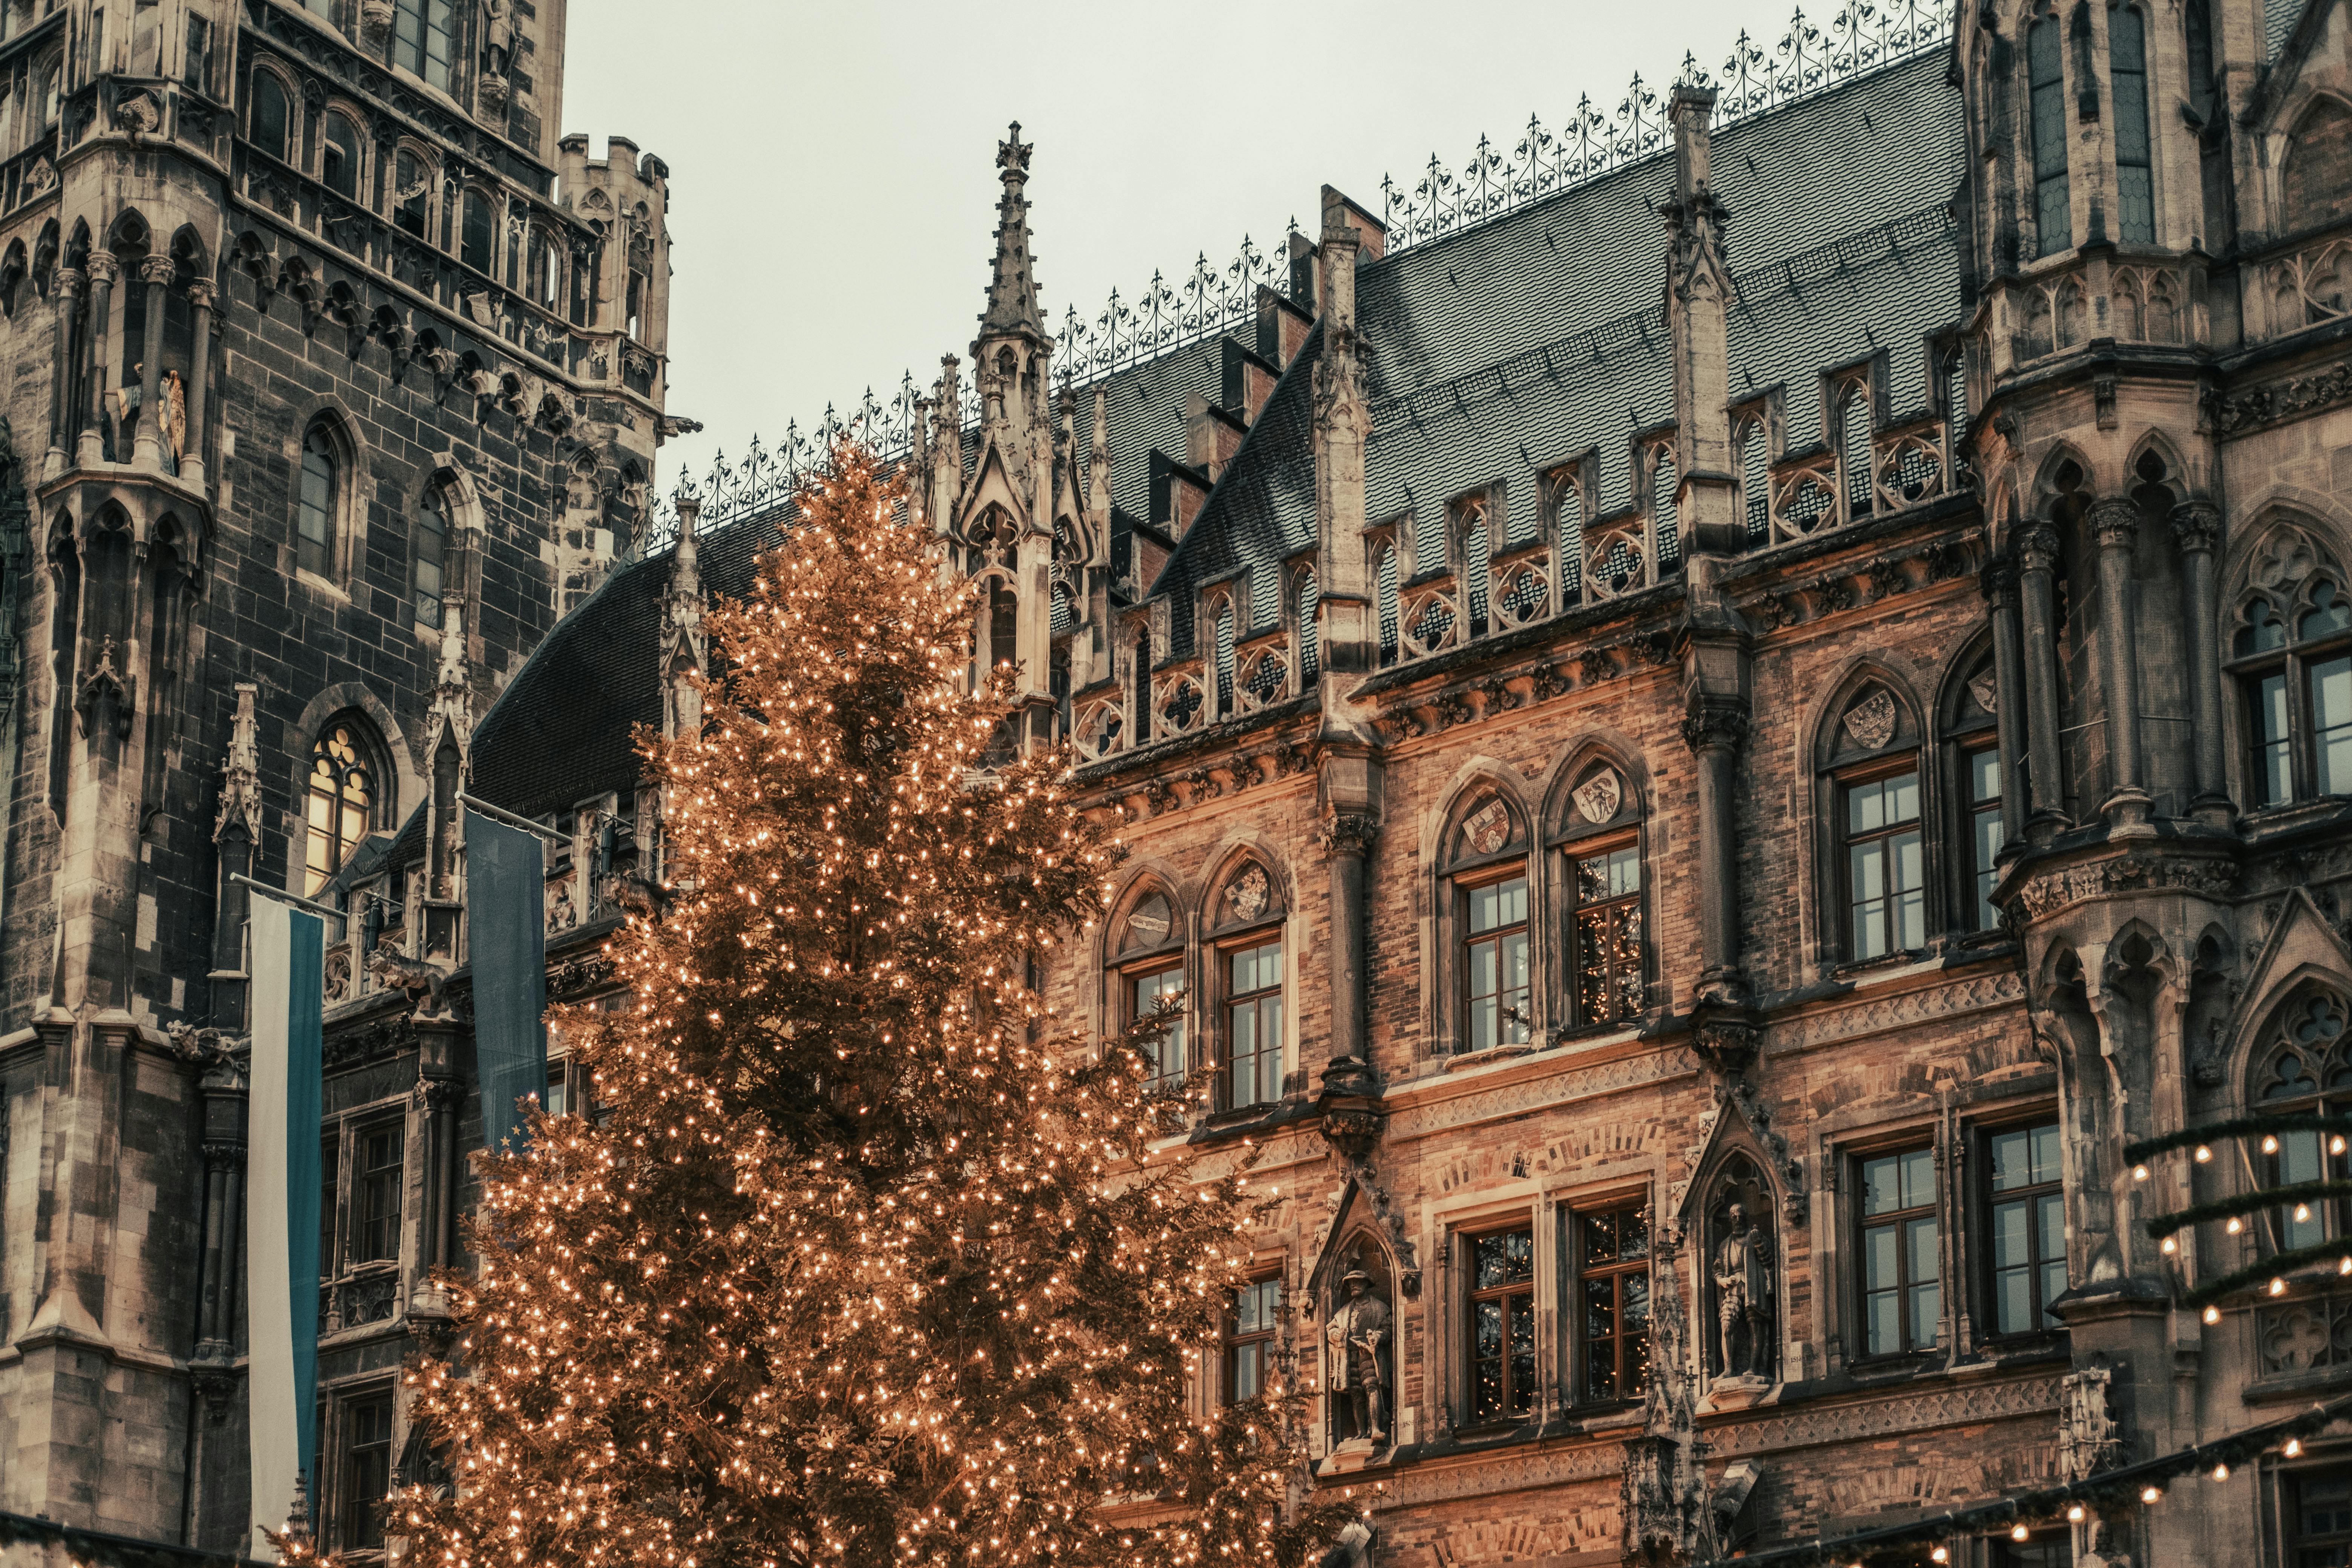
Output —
(2135, 180)
(341, 803)
(2046, 77)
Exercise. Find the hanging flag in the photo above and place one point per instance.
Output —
(283, 1208)
(506, 941)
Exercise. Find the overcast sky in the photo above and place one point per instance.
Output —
(833, 181)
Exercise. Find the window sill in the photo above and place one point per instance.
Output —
(1466, 1060)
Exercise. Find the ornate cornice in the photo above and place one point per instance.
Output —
(2053, 891)
(2276, 402)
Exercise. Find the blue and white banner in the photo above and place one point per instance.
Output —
(281, 1278)
(506, 941)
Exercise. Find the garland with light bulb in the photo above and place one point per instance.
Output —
(1931, 1539)
(2234, 1209)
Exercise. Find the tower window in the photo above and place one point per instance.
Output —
(2135, 181)
(475, 239)
(420, 40)
(431, 554)
(339, 157)
(2045, 70)
(411, 187)
(2027, 1200)
(271, 115)
(314, 530)
(342, 801)
(197, 63)
(2297, 691)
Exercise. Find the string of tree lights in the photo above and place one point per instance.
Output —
(859, 1255)
(1935, 1539)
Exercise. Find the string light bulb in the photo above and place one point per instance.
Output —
(2171, 1245)
(2220, 1472)
(2076, 1513)
(2235, 1224)
(2303, 1213)
(2294, 1449)
(2270, 1143)
(1940, 1555)
(2139, 1172)
(2204, 1154)
(2212, 1315)
(2019, 1532)
(2151, 1493)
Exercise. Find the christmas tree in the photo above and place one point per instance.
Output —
(862, 1258)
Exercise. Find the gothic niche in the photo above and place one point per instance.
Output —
(1360, 1350)
(1742, 1280)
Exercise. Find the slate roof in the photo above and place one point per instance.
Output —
(1492, 353)
(1500, 350)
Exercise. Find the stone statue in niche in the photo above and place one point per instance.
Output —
(1741, 1267)
(1359, 1340)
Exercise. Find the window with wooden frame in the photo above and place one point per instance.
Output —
(2292, 657)
(2024, 1199)
(378, 1155)
(1499, 1322)
(1612, 1250)
(2318, 1518)
(1973, 779)
(1147, 981)
(1244, 917)
(1251, 1321)
(1487, 964)
(1874, 802)
(1597, 824)
(364, 1467)
(1252, 1020)
(1899, 1251)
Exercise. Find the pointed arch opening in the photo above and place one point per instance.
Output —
(1873, 806)
(1243, 922)
(345, 797)
(1486, 895)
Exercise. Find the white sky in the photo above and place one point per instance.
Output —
(833, 182)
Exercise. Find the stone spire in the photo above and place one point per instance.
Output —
(1012, 283)
(682, 641)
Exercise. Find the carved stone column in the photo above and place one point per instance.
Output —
(69, 282)
(2115, 522)
(2196, 528)
(1999, 580)
(90, 414)
(2037, 553)
(200, 364)
(1714, 727)
(156, 273)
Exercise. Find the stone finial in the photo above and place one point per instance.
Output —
(1012, 282)
(240, 798)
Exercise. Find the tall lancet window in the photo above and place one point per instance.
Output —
(341, 803)
(2135, 180)
(2046, 74)
(1004, 622)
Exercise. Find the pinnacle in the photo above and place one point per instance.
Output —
(1013, 285)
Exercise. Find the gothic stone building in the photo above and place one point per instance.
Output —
(1710, 723)
(333, 379)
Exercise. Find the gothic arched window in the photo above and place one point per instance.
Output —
(1243, 922)
(429, 553)
(2135, 179)
(476, 231)
(1874, 791)
(412, 193)
(2304, 1066)
(1147, 981)
(2292, 655)
(341, 800)
(1488, 898)
(271, 116)
(1597, 828)
(2046, 83)
(338, 155)
(317, 503)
